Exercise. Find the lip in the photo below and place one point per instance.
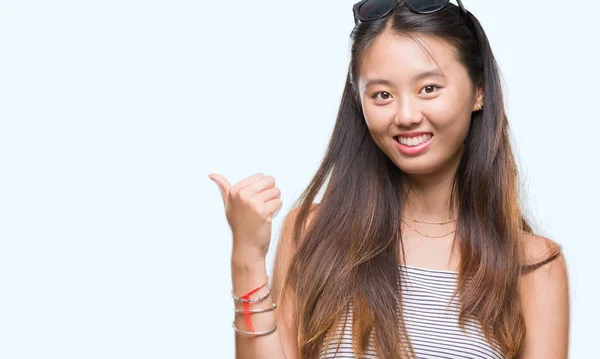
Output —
(413, 150)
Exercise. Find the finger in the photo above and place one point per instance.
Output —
(268, 194)
(247, 181)
(272, 207)
(223, 184)
(260, 185)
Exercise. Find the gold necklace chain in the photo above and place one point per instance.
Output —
(423, 234)
(445, 222)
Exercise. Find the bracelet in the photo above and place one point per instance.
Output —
(237, 311)
(239, 299)
(253, 333)
(245, 299)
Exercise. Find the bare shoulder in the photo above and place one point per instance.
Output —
(286, 243)
(286, 247)
(544, 293)
(538, 249)
(545, 264)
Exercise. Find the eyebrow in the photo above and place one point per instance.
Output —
(422, 75)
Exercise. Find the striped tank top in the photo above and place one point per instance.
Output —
(431, 321)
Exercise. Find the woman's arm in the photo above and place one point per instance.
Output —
(248, 274)
(249, 207)
(545, 300)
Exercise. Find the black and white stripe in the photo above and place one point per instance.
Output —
(431, 320)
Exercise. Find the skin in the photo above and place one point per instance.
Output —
(442, 105)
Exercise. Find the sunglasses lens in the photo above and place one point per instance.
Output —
(426, 6)
(374, 9)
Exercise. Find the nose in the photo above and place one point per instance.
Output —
(408, 113)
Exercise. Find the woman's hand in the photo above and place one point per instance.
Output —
(250, 206)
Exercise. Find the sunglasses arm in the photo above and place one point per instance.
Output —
(462, 7)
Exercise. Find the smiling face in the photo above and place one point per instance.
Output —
(405, 93)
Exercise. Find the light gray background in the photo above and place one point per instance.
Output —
(113, 241)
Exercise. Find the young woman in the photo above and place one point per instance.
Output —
(419, 247)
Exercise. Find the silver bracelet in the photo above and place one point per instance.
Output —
(253, 333)
(257, 310)
(250, 300)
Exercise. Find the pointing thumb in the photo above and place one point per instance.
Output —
(224, 186)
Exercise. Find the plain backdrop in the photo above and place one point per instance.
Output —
(113, 241)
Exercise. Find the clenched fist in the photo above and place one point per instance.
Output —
(250, 206)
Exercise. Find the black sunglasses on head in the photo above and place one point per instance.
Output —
(369, 10)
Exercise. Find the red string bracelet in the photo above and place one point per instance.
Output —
(246, 305)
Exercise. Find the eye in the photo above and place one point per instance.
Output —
(385, 95)
(429, 88)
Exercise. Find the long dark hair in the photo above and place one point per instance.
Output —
(347, 255)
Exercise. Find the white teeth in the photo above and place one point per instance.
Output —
(413, 141)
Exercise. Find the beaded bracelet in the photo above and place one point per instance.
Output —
(247, 299)
(254, 300)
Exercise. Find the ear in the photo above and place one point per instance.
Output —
(477, 106)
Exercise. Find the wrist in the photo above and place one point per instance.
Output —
(247, 264)
(247, 274)
(247, 254)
